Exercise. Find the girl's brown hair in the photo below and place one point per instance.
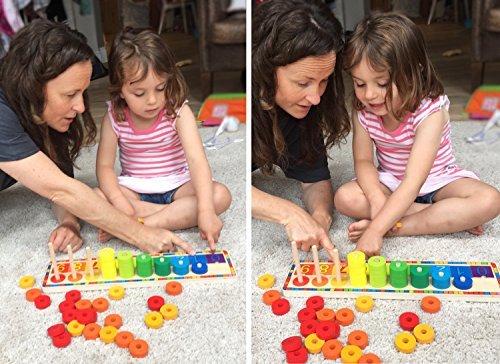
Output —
(284, 32)
(40, 52)
(394, 43)
(134, 51)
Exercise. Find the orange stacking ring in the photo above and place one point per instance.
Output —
(325, 314)
(123, 339)
(270, 296)
(430, 304)
(173, 288)
(100, 304)
(345, 316)
(32, 294)
(369, 358)
(358, 338)
(331, 349)
(83, 304)
(113, 320)
(138, 348)
(91, 331)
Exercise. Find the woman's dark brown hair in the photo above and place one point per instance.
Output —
(394, 43)
(132, 53)
(284, 32)
(40, 52)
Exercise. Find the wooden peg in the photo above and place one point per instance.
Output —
(336, 267)
(314, 250)
(89, 269)
(71, 265)
(295, 254)
(53, 260)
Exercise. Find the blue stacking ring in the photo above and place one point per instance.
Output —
(199, 268)
(462, 282)
(180, 265)
(441, 275)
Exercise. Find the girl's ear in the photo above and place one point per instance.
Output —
(121, 95)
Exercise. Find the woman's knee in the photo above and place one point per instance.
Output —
(222, 197)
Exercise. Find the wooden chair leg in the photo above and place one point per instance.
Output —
(477, 74)
(206, 83)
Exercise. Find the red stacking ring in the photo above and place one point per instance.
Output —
(42, 301)
(280, 307)
(315, 302)
(69, 315)
(66, 305)
(408, 321)
(155, 303)
(56, 330)
(62, 340)
(86, 316)
(327, 330)
(298, 356)
(306, 314)
(73, 295)
(308, 327)
(291, 343)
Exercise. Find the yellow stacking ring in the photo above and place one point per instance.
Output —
(424, 333)
(153, 320)
(169, 311)
(351, 354)
(116, 292)
(405, 342)
(107, 334)
(364, 303)
(27, 282)
(75, 328)
(313, 343)
(266, 281)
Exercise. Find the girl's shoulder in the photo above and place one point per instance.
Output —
(428, 107)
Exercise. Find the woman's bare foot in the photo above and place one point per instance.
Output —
(356, 229)
(478, 230)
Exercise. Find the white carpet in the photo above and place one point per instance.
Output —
(465, 332)
(212, 314)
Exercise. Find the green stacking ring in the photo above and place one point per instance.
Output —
(398, 274)
(419, 275)
(125, 264)
(377, 271)
(162, 266)
(144, 264)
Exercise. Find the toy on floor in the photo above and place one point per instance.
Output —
(468, 281)
(126, 270)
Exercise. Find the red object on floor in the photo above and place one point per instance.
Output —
(56, 330)
(280, 307)
(292, 343)
(73, 295)
(327, 330)
(42, 301)
(86, 316)
(155, 303)
(62, 340)
(298, 356)
(408, 321)
(308, 327)
(315, 302)
(306, 314)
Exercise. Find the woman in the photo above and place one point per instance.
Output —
(298, 111)
(44, 122)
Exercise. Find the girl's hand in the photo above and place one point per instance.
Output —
(64, 235)
(370, 243)
(305, 231)
(210, 226)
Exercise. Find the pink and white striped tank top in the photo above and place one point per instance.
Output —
(152, 160)
(393, 147)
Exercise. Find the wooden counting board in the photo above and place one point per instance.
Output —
(218, 263)
(485, 287)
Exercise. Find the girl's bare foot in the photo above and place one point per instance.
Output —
(103, 236)
(478, 230)
(356, 229)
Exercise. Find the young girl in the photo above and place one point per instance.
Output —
(401, 109)
(165, 178)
